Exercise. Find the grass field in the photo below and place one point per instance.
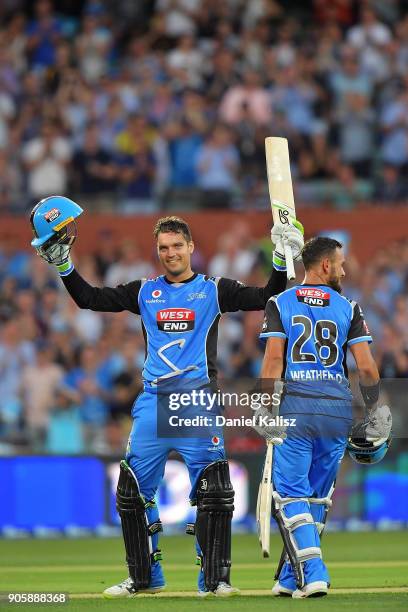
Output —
(367, 570)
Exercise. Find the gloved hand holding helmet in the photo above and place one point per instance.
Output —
(370, 438)
(54, 227)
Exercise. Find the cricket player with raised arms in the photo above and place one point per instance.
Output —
(178, 348)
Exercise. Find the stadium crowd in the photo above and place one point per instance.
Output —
(68, 377)
(139, 106)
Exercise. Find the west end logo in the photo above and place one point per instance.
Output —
(175, 319)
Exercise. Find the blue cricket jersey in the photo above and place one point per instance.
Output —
(318, 324)
(179, 323)
(179, 319)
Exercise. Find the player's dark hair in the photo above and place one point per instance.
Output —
(317, 249)
(172, 224)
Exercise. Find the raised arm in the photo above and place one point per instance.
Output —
(53, 224)
(233, 295)
(105, 299)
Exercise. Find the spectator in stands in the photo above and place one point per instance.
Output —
(94, 172)
(65, 434)
(194, 109)
(163, 106)
(15, 42)
(15, 353)
(370, 31)
(112, 123)
(217, 164)
(89, 380)
(348, 190)
(136, 175)
(130, 265)
(38, 384)
(46, 160)
(38, 278)
(394, 123)
(107, 252)
(356, 125)
(180, 16)
(296, 98)
(224, 74)
(401, 62)
(26, 309)
(10, 185)
(234, 259)
(340, 11)
(348, 79)
(13, 261)
(125, 384)
(390, 187)
(248, 352)
(43, 32)
(250, 94)
(186, 63)
(93, 44)
(64, 341)
(184, 144)
(138, 135)
(393, 354)
(7, 113)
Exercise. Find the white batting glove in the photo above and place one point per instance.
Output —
(292, 235)
(264, 425)
(376, 426)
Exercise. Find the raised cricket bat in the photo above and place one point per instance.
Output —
(264, 502)
(280, 189)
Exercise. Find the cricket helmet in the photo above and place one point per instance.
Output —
(368, 452)
(53, 223)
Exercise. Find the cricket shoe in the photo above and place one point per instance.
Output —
(127, 589)
(278, 590)
(313, 589)
(223, 590)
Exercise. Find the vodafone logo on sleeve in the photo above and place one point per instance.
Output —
(175, 320)
(313, 297)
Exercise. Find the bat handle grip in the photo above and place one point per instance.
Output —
(290, 268)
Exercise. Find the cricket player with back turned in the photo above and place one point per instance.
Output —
(308, 329)
(173, 353)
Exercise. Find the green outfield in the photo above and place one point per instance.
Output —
(367, 570)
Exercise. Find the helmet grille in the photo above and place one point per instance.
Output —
(52, 250)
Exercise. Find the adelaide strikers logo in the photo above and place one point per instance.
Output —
(156, 293)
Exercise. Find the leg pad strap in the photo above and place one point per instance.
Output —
(287, 525)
